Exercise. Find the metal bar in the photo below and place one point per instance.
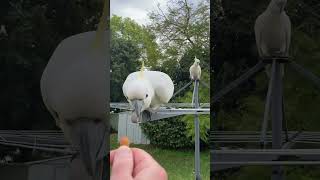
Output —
(307, 142)
(238, 81)
(291, 141)
(205, 84)
(285, 121)
(257, 132)
(126, 106)
(263, 152)
(307, 74)
(48, 160)
(167, 113)
(197, 131)
(276, 114)
(303, 133)
(183, 111)
(271, 163)
(41, 137)
(181, 89)
(240, 141)
(267, 109)
(38, 144)
(184, 105)
(39, 148)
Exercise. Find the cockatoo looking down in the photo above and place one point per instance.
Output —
(195, 70)
(147, 90)
(74, 89)
(273, 31)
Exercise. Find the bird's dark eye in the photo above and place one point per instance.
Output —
(146, 95)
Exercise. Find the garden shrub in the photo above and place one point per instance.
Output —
(168, 133)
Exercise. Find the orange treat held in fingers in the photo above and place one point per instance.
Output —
(124, 141)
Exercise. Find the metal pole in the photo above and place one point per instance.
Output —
(276, 114)
(263, 141)
(184, 87)
(304, 72)
(249, 74)
(197, 131)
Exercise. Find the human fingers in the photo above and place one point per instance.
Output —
(122, 164)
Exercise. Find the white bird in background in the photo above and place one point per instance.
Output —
(8, 159)
(75, 89)
(147, 90)
(195, 70)
(3, 30)
(273, 31)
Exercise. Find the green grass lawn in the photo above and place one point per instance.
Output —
(179, 164)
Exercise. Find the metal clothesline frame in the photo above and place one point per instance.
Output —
(174, 109)
(223, 159)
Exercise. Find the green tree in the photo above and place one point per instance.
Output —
(34, 29)
(130, 44)
(181, 26)
(235, 51)
(182, 29)
(124, 55)
(140, 36)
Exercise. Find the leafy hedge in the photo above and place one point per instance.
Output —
(168, 133)
(176, 132)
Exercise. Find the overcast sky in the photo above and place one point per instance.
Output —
(136, 9)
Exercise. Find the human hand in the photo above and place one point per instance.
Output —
(134, 164)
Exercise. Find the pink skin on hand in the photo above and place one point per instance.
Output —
(134, 164)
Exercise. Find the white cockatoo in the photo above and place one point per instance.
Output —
(273, 32)
(3, 30)
(147, 90)
(75, 89)
(195, 70)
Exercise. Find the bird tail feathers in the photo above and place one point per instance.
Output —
(91, 138)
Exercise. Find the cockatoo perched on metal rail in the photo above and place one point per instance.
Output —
(75, 89)
(195, 70)
(273, 32)
(147, 90)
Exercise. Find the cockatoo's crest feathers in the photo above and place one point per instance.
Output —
(102, 26)
(141, 73)
(277, 5)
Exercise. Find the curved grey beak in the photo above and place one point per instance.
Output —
(137, 107)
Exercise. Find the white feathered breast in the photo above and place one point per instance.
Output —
(161, 84)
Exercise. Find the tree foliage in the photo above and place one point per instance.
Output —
(181, 26)
(34, 29)
(235, 51)
(124, 55)
(182, 30)
(131, 43)
(127, 29)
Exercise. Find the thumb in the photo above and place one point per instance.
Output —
(122, 166)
